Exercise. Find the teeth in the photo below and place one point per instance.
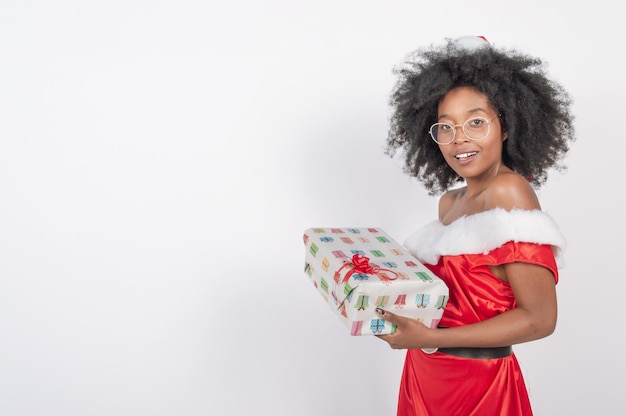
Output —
(465, 155)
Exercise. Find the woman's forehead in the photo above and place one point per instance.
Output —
(464, 100)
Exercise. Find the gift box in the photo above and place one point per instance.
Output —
(357, 270)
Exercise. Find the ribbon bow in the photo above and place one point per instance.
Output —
(361, 264)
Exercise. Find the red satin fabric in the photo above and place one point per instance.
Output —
(444, 385)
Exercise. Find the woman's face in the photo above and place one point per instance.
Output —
(471, 158)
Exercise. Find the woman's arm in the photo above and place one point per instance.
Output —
(533, 318)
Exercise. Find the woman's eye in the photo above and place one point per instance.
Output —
(476, 122)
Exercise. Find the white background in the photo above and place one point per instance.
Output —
(159, 161)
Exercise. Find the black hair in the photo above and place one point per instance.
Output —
(533, 110)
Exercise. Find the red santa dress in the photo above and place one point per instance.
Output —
(440, 384)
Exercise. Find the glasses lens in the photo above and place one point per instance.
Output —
(442, 132)
(476, 128)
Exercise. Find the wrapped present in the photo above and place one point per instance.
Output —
(359, 269)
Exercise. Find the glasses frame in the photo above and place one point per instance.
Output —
(462, 126)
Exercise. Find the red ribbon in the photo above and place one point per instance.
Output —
(361, 264)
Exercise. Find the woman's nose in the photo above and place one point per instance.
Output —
(459, 134)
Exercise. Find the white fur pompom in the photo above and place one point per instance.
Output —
(471, 43)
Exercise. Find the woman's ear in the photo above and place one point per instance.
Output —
(505, 136)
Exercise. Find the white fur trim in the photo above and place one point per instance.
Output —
(482, 232)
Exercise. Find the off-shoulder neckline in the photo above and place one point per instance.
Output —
(490, 211)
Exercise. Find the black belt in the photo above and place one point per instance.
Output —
(483, 353)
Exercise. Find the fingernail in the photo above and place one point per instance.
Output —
(380, 311)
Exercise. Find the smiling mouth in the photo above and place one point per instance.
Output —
(462, 156)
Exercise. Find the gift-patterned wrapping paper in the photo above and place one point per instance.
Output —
(359, 269)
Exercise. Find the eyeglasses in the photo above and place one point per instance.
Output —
(475, 128)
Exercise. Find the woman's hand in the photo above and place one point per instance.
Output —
(410, 333)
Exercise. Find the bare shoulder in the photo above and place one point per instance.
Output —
(447, 200)
(510, 190)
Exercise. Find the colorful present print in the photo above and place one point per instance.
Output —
(358, 269)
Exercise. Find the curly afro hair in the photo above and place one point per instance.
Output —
(534, 110)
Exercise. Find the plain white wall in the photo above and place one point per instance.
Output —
(159, 161)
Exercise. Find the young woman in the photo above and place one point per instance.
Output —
(491, 121)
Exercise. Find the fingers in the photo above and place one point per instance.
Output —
(409, 332)
(394, 319)
(388, 316)
(392, 340)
